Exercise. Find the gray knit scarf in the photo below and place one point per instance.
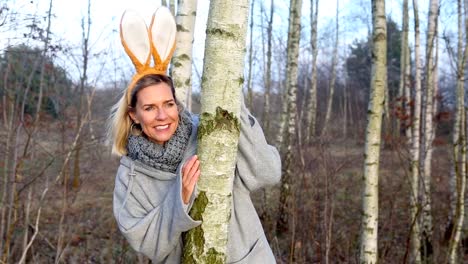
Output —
(165, 157)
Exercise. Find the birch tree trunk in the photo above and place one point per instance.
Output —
(217, 146)
(459, 145)
(7, 172)
(312, 104)
(266, 106)
(333, 77)
(249, 78)
(172, 6)
(407, 95)
(288, 144)
(182, 60)
(415, 151)
(403, 100)
(370, 200)
(428, 135)
(8, 108)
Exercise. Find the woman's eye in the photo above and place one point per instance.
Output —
(171, 104)
(149, 108)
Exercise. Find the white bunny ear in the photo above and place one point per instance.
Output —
(135, 39)
(163, 32)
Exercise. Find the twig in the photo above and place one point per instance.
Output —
(36, 228)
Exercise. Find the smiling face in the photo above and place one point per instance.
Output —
(156, 112)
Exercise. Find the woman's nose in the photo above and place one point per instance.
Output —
(161, 114)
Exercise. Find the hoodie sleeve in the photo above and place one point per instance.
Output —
(258, 164)
(150, 213)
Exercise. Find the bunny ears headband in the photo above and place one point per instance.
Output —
(141, 43)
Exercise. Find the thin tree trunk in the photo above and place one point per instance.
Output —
(415, 153)
(407, 96)
(266, 215)
(429, 132)
(172, 7)
(370, 204)
(289, 142)
(10, 115)
(312, 103)
(61, 227)
(7, 170)
(83, 82)
(333, 76)
(182, 60)
(266, 106)
(17, 164)
(459, 146)
(402, 100)
(26, 219)
(217, 148)
(249, 78)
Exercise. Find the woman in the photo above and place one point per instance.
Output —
(156, 180)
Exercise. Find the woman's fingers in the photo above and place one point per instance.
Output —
(190, 175)
(189, 163)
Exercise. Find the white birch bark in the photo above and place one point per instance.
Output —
(429, 132)
(249, 78)
(370, 201)
(459, 146)
(217, 149)
(403, 88)
(333, 76)
(182, 59)
(288, 144)
(415, 152)
(312, 103)
(407, 94)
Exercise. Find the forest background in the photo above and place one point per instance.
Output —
(56, 93)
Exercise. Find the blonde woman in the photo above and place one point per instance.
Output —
(156, 180)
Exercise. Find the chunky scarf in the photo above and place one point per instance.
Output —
(165, 157)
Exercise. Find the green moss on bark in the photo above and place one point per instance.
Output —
(214, 257)
(195, 236)
(222, 120)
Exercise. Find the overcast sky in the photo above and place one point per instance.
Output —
(66, 26)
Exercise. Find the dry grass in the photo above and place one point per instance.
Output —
(326, 213)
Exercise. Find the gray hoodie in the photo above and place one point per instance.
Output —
(150, 212)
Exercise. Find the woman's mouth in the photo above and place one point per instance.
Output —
(163, 127)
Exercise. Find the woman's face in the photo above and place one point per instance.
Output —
(156, 111)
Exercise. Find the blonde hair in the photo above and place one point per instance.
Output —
(119, 126)
(120, 123)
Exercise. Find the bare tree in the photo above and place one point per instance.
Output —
(370, 202)
(17, 160)
(402, 101)
(416, 147)
(429, 132)
(312, 104)
(86, 30)
(217, 144)
(459, 142)
(333, 75)
(182, 60)
(266, 106)
(288, 144)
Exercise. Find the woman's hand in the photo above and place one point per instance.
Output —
(190, 174)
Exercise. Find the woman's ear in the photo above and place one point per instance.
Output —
(132, 115)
